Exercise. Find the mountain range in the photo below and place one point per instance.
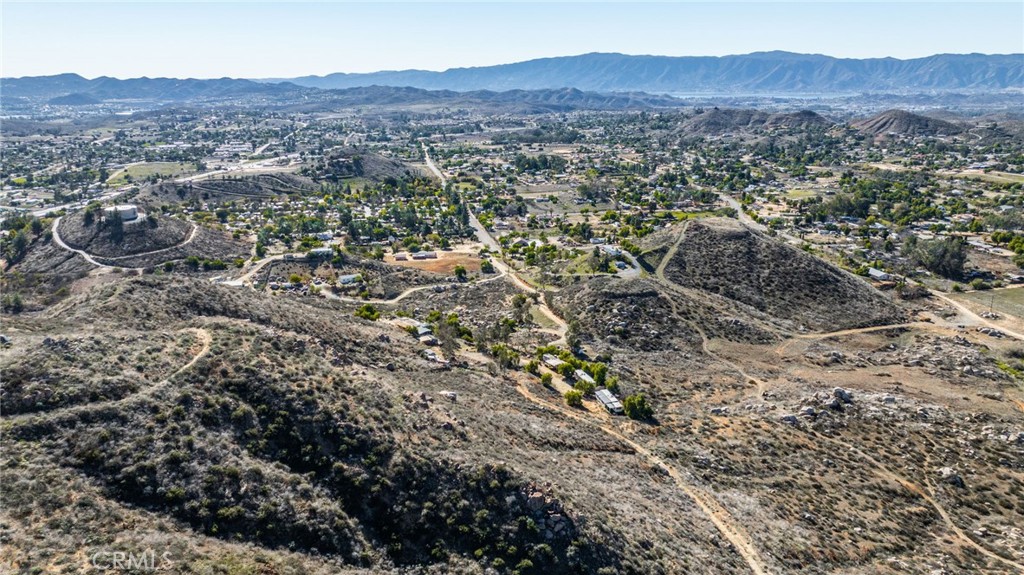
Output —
(567, 79)
(168, 89)
(760, 72)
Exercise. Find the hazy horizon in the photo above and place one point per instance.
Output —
(292, 39)
(284, 78)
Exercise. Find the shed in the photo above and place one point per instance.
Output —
(879, 275)
(609, 401)
(584, 376)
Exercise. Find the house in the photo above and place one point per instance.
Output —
(609, 401)
(584, 376)
(322, 253)
(878, 275)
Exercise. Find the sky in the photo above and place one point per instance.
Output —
(289, 39)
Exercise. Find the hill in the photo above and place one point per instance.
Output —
(216, 416)
(346, 163)
(508, 101)
(717, 121)
(76, 99)
(905, 123)
(722, 257)
(761, 72)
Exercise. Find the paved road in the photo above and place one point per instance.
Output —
(482, 234)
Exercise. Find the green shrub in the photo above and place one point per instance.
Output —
(636, 407)
(369, 312)
(574, 398)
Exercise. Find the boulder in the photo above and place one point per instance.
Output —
(842, 395)
(951, 477)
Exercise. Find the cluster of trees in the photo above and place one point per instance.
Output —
(18, 234)
(943, 256)
(1013, 242)
(524, 163)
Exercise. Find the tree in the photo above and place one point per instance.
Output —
(19, 245)
(546, 379)
(585, 387)
(12, 303)
(636, 407)
(460, 273)
(533, 366)
(486, 267)
(566, 370)
(367, 311)
(115, 225)
(574, 398)
(572, 335)
(943, 256)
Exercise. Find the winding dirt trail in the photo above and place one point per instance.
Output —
(672, 286)
(964, 310)
(927, 495)
(707, 503)
(879, 468)
(205, 340)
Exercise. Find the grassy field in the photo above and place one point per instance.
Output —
(1004, 301)
(145, 170)
(994, 177)
(541, 319)
(799, 194)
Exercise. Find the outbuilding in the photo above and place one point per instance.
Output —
(609, 401)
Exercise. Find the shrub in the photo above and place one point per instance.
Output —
(574, 398)
(369, 312)
(636, 407)
(584, 387)
(533, 366)
(545, 379)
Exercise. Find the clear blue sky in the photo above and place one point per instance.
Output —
(285, 39)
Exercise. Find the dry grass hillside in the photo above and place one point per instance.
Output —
(245, 432)
(722, 257)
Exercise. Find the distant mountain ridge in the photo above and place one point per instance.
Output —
(759, 72)
(168, 89)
